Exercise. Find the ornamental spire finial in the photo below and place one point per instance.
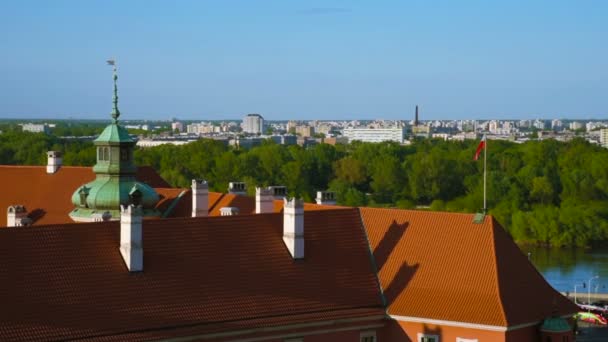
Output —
(115, 111)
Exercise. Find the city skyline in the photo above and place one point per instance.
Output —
(337, 59)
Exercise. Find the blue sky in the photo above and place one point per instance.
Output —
(305, 59)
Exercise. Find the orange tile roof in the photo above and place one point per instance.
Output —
(47, 197)
(443, 266)
(69, 281)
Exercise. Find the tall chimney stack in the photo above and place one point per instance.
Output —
(293, 227)
(264, 200)
(131, 238)
(200, 198)
(416, 118)
(54, 161)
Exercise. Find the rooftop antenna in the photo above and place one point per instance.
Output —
(115, 111)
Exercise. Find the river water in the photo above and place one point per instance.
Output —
(564, 268)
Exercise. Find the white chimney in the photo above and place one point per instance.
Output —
(16, 216)
(237, 188)
(326, 198)
(293, 227)
(200, 198)
(131, 246)
(54, 161)
(229, 211)
(264, 200)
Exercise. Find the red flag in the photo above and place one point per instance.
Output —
(482, 145)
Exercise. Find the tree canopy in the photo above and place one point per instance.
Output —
(543, 192)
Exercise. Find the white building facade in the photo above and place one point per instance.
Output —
(604, 137)
(396, 134)
(253, 124)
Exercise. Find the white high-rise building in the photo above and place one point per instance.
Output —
(253, 124)
(539, 124)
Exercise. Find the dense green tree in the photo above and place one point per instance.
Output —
(543, 192)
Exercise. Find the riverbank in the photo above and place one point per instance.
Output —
(583, 296)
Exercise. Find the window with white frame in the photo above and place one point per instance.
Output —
(367, 336)
(460, 339)
(427, 338)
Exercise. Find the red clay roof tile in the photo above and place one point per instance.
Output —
(70, 280)
(443, 266)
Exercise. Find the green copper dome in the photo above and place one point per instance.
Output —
(113, 134)
(115, 183)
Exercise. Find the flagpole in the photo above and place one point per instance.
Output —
(485, 153)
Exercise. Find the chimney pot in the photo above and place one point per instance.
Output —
(326, 198)
(264, 200)
(16, 216)
(237, 188)
(54, 161)
(293, 227)
(229, 211)
(200, 198)
(131, 238)
(278, 191)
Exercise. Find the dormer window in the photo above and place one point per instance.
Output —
(84, 193)
(124, 154)
(103, 153)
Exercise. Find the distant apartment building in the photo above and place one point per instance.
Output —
(305, 131)
(576, 125)
(557, 124)
(35, 128)
(493, 127)
(375, 134)
(285, 139)
(465, 136)
(202, 128)
(324, 128)
(591, 125)
(177, 126)
(291, 126)
(443, 136)
(253, 124)
(539, 124)
(604, 137)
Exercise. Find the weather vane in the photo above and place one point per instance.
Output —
(115, 111)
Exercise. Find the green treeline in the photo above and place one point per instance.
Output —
(542, 192)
